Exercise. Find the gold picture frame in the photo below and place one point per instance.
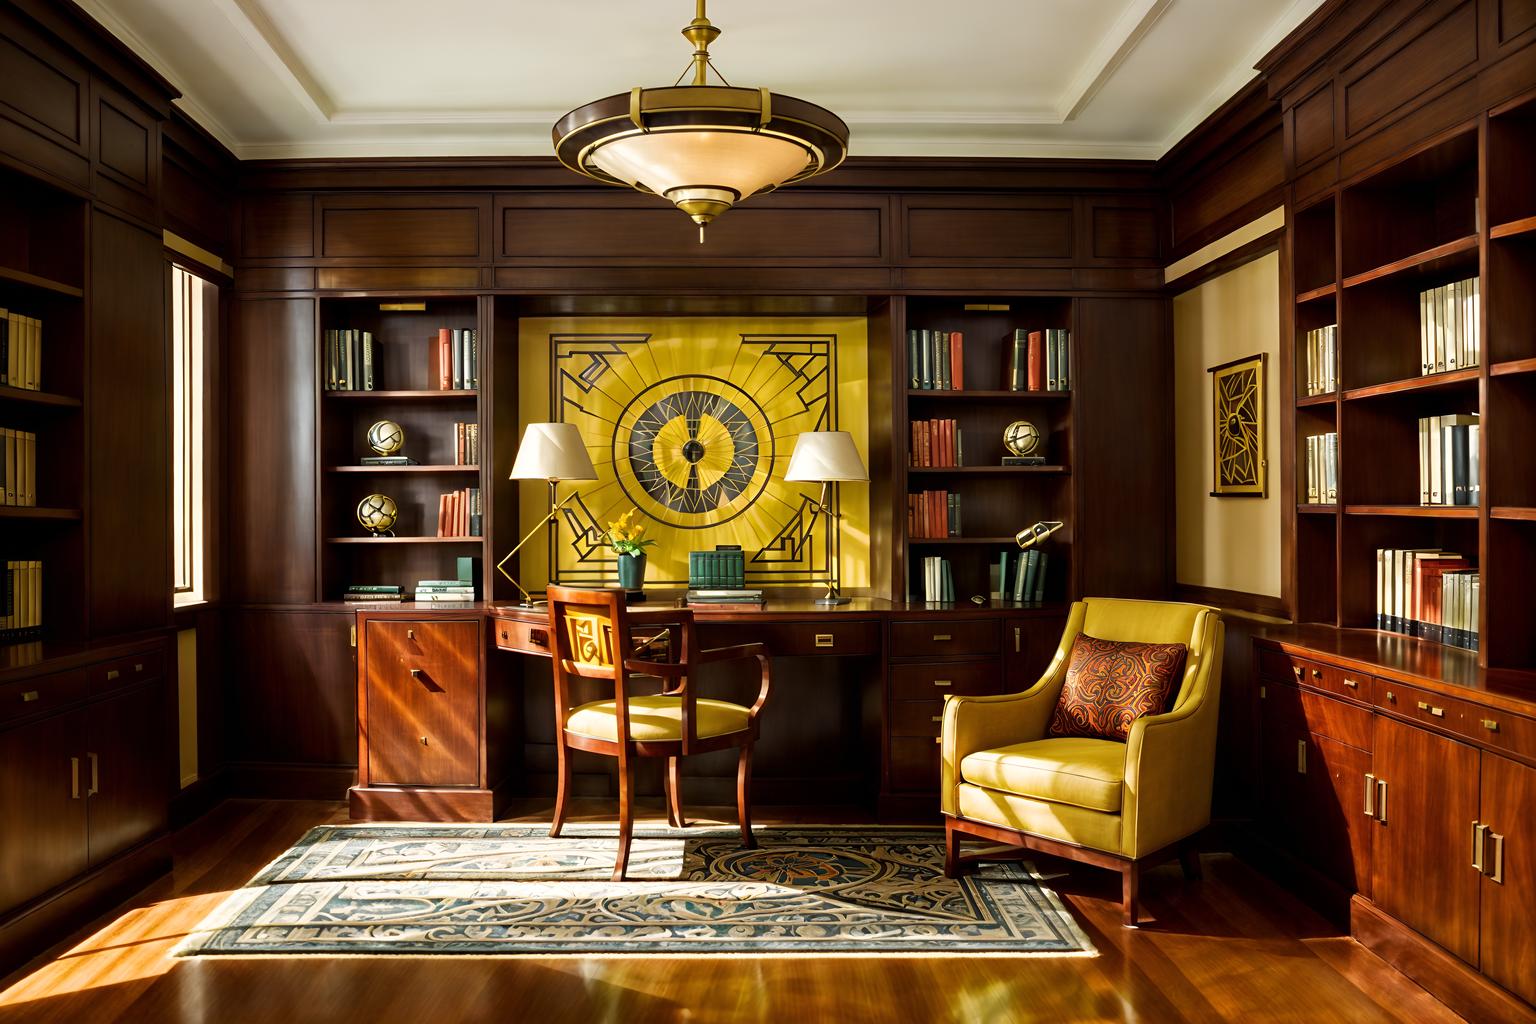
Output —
(1237, 427)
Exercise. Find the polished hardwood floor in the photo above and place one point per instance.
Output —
(1233, 947)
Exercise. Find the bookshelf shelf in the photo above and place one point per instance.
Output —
(38, 398)
(991, 396)
(1431, 382)
(986, 470)
(1527, 515)
(1430, 263)
(1317, 510)
(35, 281)
(403, 540)
(1513, 366)
(1514, 228)
(37, 512)
(370, 470)
(1414, 511)
(1327, 291)
(1312, 400)
(423, 396)
(959, 541)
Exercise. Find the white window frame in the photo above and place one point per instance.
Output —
(194, 331)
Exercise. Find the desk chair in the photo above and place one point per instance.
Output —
(1098, 801)
(587, 627)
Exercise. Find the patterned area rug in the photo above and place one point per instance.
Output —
(510, 889)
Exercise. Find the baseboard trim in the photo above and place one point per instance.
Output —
(196, 800)
(280, 781)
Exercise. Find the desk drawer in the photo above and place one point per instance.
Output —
(930, 679)
(796, 639)
(517, 635)
(1498, 729)
(127, 671)
(916, 717)
(1278, 665)
(933, 638)
(422, 705)
(41, 695)
(1318, 713)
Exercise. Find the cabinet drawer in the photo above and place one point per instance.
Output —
(1319, 713)
(796, 639)
(127, 671)
(943, 637)
(517, 635)
(422, 702)
(1278, 665)
(41, 695)
(1421, 705)
(928, 679)
(914, 764)
(916, 717)
(1498, 729)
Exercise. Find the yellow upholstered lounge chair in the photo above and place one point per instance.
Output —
(1101, 802)
(588, 627)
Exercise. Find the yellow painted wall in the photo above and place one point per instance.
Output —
(1226, 543)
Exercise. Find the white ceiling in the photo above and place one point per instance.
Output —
(320, 78)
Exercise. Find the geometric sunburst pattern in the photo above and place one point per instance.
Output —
(1238, 391)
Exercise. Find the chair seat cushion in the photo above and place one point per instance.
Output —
(1075, 770)
(1111, 683)
(656, 719)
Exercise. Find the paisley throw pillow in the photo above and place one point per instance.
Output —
(1111, 683)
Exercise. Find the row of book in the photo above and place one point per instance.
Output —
(1323, 360)
(463, 588)
(457, 365)
(18, 467)
(1428, 593)
(933, 514)
(459, 513)
(1450, 337)
(938, 580)
(937, 443)
(466, 444)
(21, 614)
(351, 361)
(724, 568)
(1448, 460)
(21, 351)
(1019, 576)
(444, 590)
(728, 597)
(1038, 360)
(935, 360)
(1323, 469)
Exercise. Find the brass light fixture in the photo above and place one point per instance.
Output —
(703, 147)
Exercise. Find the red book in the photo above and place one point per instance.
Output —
(957, 360)
(1036, 361)
(444, 359)
(464, 513)
(442, 514)
(947, 448)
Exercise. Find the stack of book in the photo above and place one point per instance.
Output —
(936, 443)
(938, 580)
(1323, 360)
(351, 361)
(1449, 335)
(18, 467)
(456, 360)
(444, 590)
(935, 360)
(1448, 460)
(466, 444)
(21, 601)
(726, 597)
(933, 514)
(1428, 593)
(358, 593)
(458, 513)
(1019, 576)
(1038, 360)
(1323, 469)
(723, 569)
(21, 351)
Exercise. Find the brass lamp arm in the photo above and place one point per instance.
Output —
(553, 517)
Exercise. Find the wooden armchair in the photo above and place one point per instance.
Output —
(586, 628)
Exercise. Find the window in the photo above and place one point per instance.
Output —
(194, 320)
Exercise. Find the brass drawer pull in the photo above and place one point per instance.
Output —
(1317, 673)
(1352, 684)
(937, 718)
(1370, 795)
(1017, 634)
(138, 666)
(1391, 697)
(825, 640)
(503, 634)
(1296, 671)
(29, 696)
(1301, 757)
(1496, 873)
(940, 637)
(410, 634)
(423, 741)
(95, 775)
(1479, 842)
(1491, 725)
(1381, 800)
(943, 682)
(74, 778)
(415, 673)
(1437, 712)
(112, 674)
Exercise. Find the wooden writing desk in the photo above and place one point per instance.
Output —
(854, 717)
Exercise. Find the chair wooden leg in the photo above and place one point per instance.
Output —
(1130, 878)
(1189, 857)
(744, 796)
(674, 787)
(952, 865)
(626, 816)
(562, 784)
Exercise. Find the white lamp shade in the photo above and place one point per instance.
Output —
(553, 451)
(666, 162)
(824, 455)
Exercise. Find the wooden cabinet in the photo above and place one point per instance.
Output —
(1339, 774)
(127, 740)
(1507, 852)
(422, 703)
(42, 789)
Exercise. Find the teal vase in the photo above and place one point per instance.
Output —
(632, 571)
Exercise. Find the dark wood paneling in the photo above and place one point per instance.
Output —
(395, 227)
(122, 143)
(277, 226)
(1516, 17)
(270, 528)
(41, 86)
(1122, 368)
(197, 176)
(396, 278)
(652, 280)
(1410, 70)
(275, 279)
(292, 686)
(1312, 126)
(988, 229)
(129, 430)
(1124, 232)
(127, 153)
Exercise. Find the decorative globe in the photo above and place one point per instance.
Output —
(386, 437)
(378, 513)
(1022, 437)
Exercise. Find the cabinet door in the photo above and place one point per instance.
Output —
(1344, 832)
(423, 703)
(127, 763)
(1029, 644)
(1283, 759)
(1421, 871)
(42, 798)
(1508, 939)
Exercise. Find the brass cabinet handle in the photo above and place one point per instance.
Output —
(1301, 757)
(1479, 839)
(29, 696)
(1370, 795)
(939, 637)
(1352, 684)
(1437, 712)
(1491, 725)
(1296, 671)
(1017, 630)
(74, 778)
(943, 682)
(138, 666)
(112, 674)
(95, 775)
(938, 739)
(1381, 800)
(1317, 673)
(825, 640)
(937, 718)
(1391, 697)
(415, 673)
(1496, 874)
(503, 634)
(410, 634)
(423, 741)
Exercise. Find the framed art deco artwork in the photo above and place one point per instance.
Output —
(1237, 394)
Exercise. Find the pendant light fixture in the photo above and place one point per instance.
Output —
(703, 147)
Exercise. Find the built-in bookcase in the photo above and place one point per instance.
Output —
(996, 501)
(42, 276)
(1462, 206)
(405, 334)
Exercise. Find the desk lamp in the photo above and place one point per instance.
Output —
(830, 457)
(552, 452)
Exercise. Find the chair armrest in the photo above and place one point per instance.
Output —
(981, 723)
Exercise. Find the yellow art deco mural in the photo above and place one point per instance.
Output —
(692, 421)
